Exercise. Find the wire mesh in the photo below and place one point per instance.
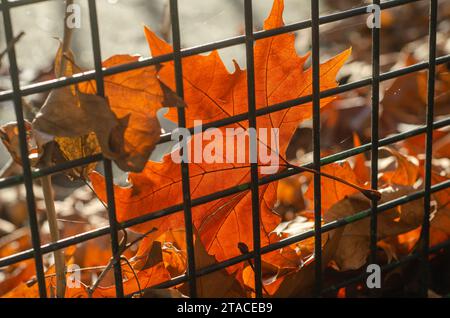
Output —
(248, 39)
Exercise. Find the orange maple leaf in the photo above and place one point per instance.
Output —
(212, 93)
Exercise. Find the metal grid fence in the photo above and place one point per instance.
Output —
(248, 39)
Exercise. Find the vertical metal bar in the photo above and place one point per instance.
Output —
(316, 145)
(106, 162)
(249, 49)
(27, 173)
(374, 133)
(425, 235)
(187, 205)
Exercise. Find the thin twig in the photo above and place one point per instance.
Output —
(67, 38)
(47, 182)
(134, 274)
(243, 248)
(166, 24)
(33, 280)
(92, 288)
(54, 234)
(123, 246)
(95, 194)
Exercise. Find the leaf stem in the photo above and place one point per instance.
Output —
(368, 193)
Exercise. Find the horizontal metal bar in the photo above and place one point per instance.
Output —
(288, 28)
(207, 270)
(348, 13)
(144, 62)
(333, 17)
(19, 3)
(18, 179)
(51, 247)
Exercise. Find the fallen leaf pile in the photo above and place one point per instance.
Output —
(67, 127)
